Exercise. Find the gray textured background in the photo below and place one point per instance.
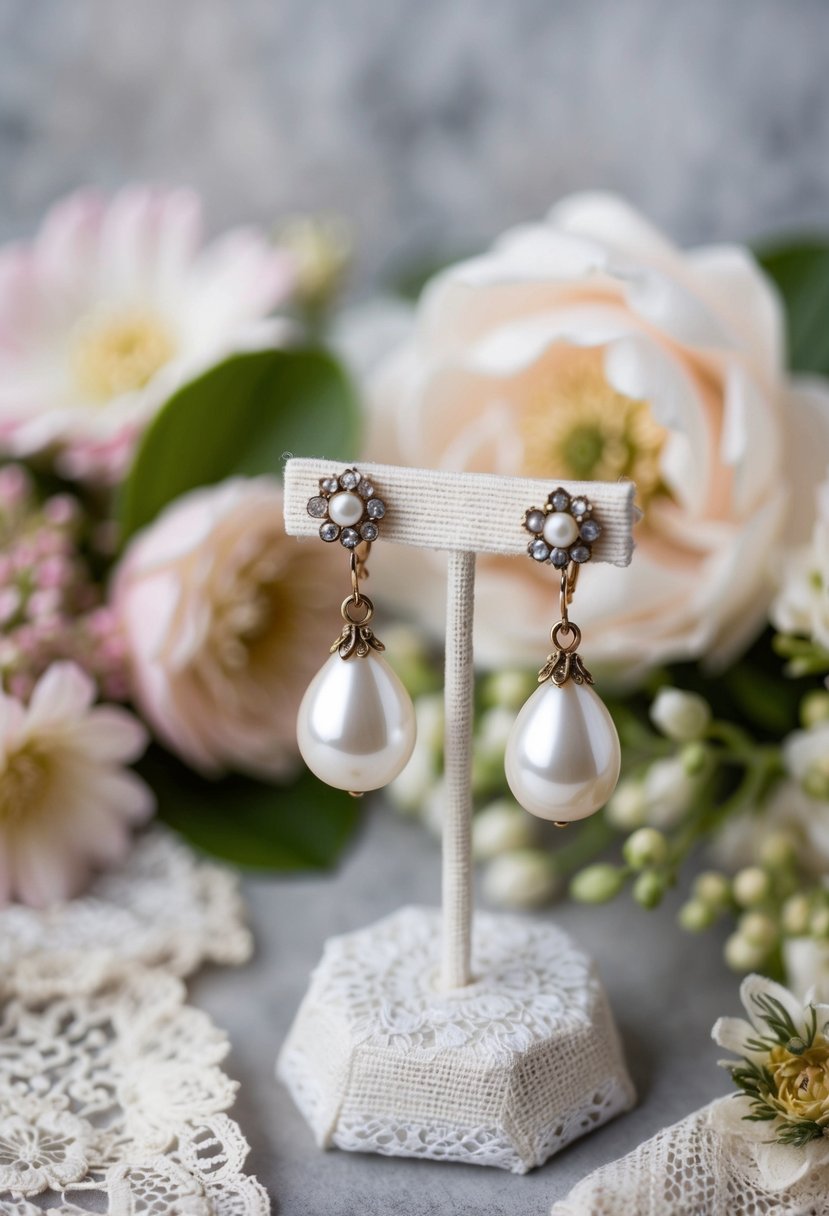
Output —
(431, 124)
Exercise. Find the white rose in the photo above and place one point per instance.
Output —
(588, 346)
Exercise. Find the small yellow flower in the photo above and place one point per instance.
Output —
(803, 1081)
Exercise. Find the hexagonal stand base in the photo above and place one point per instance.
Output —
(505, 1071)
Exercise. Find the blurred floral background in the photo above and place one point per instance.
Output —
(214, 256)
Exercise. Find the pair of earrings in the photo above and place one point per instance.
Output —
(356, 725)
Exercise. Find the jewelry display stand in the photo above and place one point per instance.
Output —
(430, 1034)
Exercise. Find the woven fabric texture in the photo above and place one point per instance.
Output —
(504, 1072)
(470, 512)
(457, 821)
(693, 1169)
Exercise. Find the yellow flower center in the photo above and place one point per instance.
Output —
(23, 783)
(803, 1080)
(119, 352)
(244, 613)
(577, 426)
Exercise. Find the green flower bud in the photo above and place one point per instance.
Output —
(778, 850)
(681, 716)
(627, 808)
(713, 889)
(814, 708)
(758, 929)
(646, 847)
(597, 883)
(694, 758)
(649, 889)
(524, 878)
(751, 886)
(741, 954)
(816, 782)
(508, 689)
(796, 914)
(501, 827)
(819, 923)
(694, 916)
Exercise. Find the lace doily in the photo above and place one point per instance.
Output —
(165, 907)
(693, 1169)
(503, 1072)
(110, 1089)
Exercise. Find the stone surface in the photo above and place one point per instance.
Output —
(666, 989)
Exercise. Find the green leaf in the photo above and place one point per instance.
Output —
(241, 418)
(801, 272)
(302, 826)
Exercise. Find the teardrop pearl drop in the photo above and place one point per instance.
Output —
(356, 724)
(563, 755)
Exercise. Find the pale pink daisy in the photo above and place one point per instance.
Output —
(67, 804)
(111, 307)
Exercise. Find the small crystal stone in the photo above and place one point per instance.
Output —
(369, 531)
(590, 531)
(350, 479)
(376, 508)
(329, 531)
(539, 550)
(318, 507)
(579, 506)
(535, 521)
(329, 485)
(559, 558)
(350, 538)
(560, 500)
(580, 553)
(366, 489)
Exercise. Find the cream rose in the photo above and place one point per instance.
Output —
(226, 620)
(589, 347)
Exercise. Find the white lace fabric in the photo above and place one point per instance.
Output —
(166, 907)
(697, 1168)
(505, 1071)
(111, 1093)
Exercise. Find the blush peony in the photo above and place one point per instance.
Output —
(589, 347)
(226, 619)
(112, 306)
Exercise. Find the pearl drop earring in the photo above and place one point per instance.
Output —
(356, 723)
(563, 755)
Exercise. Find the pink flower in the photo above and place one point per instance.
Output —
(66, 802)
(589, 347)
(112, 306)
(225, 620)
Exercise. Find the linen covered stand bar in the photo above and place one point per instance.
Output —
(487, 1040)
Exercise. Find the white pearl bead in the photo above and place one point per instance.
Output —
(560, 529)
(345, 509)
(563, 755)
(356, 725)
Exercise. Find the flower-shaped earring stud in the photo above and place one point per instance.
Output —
(349, 508)
(356, 724)
(563, 530)
(563, 756)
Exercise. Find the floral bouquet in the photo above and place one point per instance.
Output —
(148, 391)
(151, 385)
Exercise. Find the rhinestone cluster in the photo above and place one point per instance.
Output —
(563, 530)
(349, 509)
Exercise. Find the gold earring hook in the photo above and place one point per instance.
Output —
(359, 570)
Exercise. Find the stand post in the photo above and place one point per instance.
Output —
(457, 823)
